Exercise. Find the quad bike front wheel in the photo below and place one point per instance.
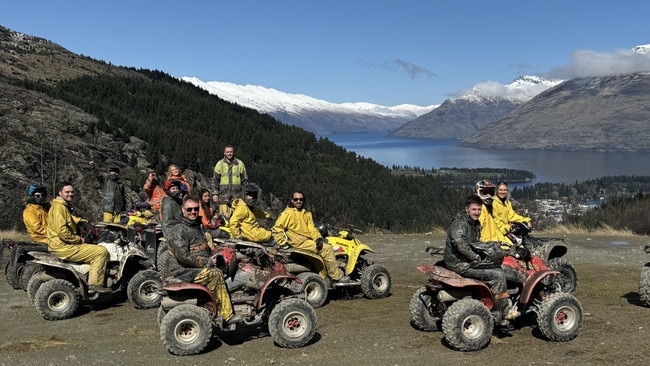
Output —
(423, 310)
(292, 323)
(644, 285)
(314, 287)
(467, 325)
(568, 277)
(375, 281)
(186, 329)
(559, 317)
(142, 289)
(57, 299)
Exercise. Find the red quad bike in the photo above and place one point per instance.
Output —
(262, 292)
(644, 281)
(463, 308)
(550, 251)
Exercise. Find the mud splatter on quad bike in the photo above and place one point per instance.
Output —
(463, 307)
(262, 292)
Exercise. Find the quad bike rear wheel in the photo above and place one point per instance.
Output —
(422, 310)
(559, 317)
(142, 289)
(12, 273)
(644, 285)
(292, 323)
(186, 329)
(161, 314)
(26, 272)
(314, 287)
(375, 281)
(568, 277)
(33, 285)
(161, 258)
(57, 299)
(467, 325)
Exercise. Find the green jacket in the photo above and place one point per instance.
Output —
(113, 194)
(461, 233)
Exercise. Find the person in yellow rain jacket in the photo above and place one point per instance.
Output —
(243, 222)
(503, 212)
(295, 226)
(35, 213)
(490, 230)
(63, 239)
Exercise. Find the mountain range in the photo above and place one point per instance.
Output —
(316, 115)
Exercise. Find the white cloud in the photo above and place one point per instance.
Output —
(585, 63)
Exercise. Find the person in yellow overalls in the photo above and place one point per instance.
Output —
(63, 239)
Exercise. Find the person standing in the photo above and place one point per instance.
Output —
(295, 226)
(63, 239)
(190, 257)
(229, 177)
(113, 194)
(35, 213)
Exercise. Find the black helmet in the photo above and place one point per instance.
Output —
(322, 229)
(252, 192)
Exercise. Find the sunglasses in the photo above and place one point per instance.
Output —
(192, 209)
(298, 199)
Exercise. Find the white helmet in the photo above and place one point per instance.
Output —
(485, 190)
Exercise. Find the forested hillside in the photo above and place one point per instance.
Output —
(182, 124)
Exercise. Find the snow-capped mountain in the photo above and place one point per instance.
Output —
(315, 115)
(460, 117)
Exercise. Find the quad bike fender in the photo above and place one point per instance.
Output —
(77, 270)
(532, 281)
(188, 293)
(278, 277)
(551, 249)
(452, 282)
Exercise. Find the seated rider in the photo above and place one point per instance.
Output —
(35, 213)
(460, 257)
(190, 259)
(243, 222)
(295, 226)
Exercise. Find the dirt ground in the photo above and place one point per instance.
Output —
(356, 331)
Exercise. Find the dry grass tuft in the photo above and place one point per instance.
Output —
(15, 235)
(575, 229)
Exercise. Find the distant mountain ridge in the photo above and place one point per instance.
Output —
(461, 117)
(318, 116)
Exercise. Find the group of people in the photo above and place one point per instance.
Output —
(485, 219)
(184, 219)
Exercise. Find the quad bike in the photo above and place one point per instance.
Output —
(262, 292)
(550, 251)
(644, 281)
(463, 308)
(373, 279)
(18, 271)
(58, 287)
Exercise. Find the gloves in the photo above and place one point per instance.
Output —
(319, 243)
(522, 253)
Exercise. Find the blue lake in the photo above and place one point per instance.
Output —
(548, 166)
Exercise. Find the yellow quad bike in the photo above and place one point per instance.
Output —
(372, 279)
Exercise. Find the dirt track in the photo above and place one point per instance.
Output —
(356, 331)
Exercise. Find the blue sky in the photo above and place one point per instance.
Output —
(383, 52)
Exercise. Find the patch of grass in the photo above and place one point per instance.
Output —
(14, 235)
(576, 229)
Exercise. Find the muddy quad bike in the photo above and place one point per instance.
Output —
(58, 287)
(463, 307)
(550, 250)
(19, 255)
(18, 271)
(372, 279)
(262, 292)
(644, 281)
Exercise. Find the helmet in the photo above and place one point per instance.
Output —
(322, 229)
(37, 187)
(173, 183)
(252, 191)
(485, 190)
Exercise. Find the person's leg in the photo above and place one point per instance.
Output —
(212, 278)
(96, 256)
(327, 253)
